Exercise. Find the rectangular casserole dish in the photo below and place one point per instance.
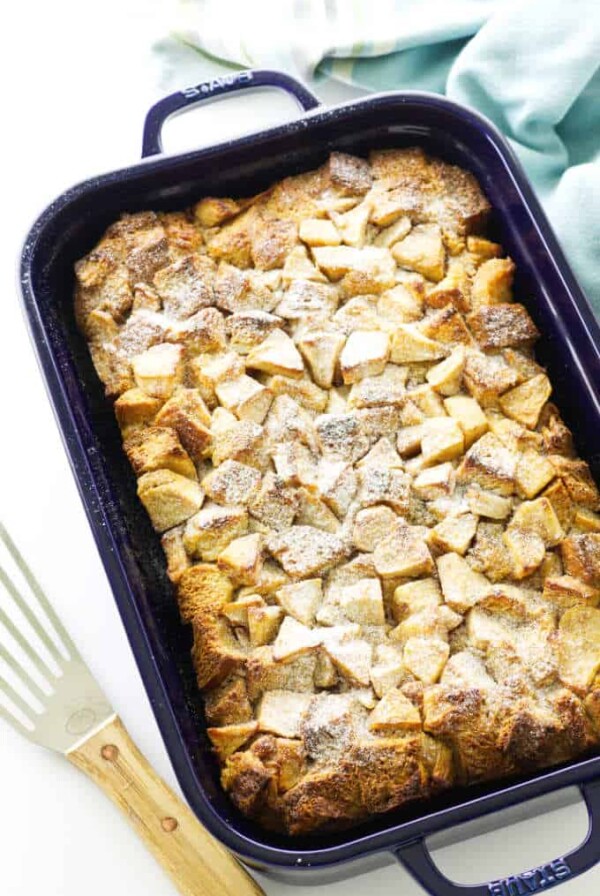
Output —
(131, 552)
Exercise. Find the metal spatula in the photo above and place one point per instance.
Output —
(52, 698)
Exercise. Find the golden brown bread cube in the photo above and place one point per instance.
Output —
(177, 558)
(188, 415)
(135, 407)
(158, 448)
(210, 530)
(502, 325)
(169, 498)
(581, 557)
(203, 590)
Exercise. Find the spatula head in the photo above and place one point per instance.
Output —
(46, 690)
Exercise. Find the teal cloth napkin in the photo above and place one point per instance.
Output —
(532, 66)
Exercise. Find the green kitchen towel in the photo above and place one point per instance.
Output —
(532, 66)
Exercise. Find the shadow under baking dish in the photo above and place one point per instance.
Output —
(569, 348)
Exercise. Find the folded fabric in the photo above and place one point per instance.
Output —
(531, 66)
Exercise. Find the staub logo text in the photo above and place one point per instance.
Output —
(531, 881)
(222, 81)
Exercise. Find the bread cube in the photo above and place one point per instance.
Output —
(409, 344)
(282, 712)
(422, 250)
(492, 282)
(567, 591)
(533, 473)
(246, 329)
(135, 407)
(186, 285)
(426, 658)
(301, 600)
(241, 560)
(302, 390)
(209, 531)
(352, 659)
(169, 498)
(488, 504)
(203, 592)
(305, 298)
(502, 325)
(526, 549)
(403, 553)
(158, 370)
(319, 232)
(443, 440)
(321, 351)
(231, 483)
(336, 261)
(388, 670)
(446, 377)
(298, 266)
(241, 441)
(371, 525)
(363, 602)
(415, 597)
(352, 224)
(189, 416)
(385, 388)
(578, 481)
(211, 212)
(581, 557)
(364, 354)
(229, 738)
(294, 638)
(579, 647)
(337, 485)
(339, 435)
(245, 397)
(454, 534)
(216, 652)
(237, 611)
(208, 370)
(538, 516)
(241, 290)
(394, 712)
(325, 672)
(489, 464)
(382, 454)
(277, 354)
(350, 175)
(313, 511)
(461, 586)
(435, 482)
(524, 403)
(304, 551)
(401, 304)
(488, 376)
(158, 448)
(263, 624)
(177, 559)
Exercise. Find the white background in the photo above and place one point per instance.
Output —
(76, 80)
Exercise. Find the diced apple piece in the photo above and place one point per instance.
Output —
(469, 416)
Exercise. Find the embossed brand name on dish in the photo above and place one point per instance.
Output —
(540, 878)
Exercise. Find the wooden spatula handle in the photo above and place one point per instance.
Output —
(197, 864)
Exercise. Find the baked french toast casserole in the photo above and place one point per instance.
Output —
(373, 515)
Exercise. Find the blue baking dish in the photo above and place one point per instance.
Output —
(131, 552)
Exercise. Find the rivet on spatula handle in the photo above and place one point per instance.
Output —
(197, 864)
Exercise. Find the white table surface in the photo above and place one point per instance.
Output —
(76, 80)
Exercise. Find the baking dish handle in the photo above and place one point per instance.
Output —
(417, 860)
(210, 90)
